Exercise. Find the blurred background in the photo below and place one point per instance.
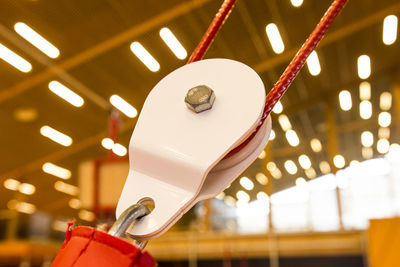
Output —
(326, 189)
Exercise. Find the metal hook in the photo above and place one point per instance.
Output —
(126, 219)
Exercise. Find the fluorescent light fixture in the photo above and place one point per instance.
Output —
(261, 178)
(278, 108)
(262, 196)
(144, 56)
(304, 161)
(385, 101)
(364, 66)
(354, 162)
(123, 106)
(271, 166)
(339, 161)
(60, 226)
(284, 122)
(262, 155)
(75, 203)
(345, 100)
(11, 184)
(365, 109)
(384, 132)
(242, 196)
(172, 42)
(36, 40)
(384, 119)
(230, 201)
(119, 150)
(246, 183)
(367, 139)
(389, 34)
(290, 167)
(365, 90)
(383, 146)
(25, 207)
(296, 3)
(86, 215)
(367, 152)
(66, 94)
(310, 173)
(324, 167)
(272, 135)
(301, 181)
(57, 171)
(313, 64)
(275, 38)
(292, 138)
(14, 60)
(107, 143)
(56, 136)
(66, 188)
(27, 189)
(316, 145)
(276, 174)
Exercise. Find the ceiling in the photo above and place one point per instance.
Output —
(96, 62)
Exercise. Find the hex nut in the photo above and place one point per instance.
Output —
(200, 98)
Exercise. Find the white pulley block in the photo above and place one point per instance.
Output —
(177, 155)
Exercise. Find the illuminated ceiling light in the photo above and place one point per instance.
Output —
(36, 40)
(66, 94)
(27, 189)
(271, 166)
(284, 122)
(56, 136)
(367, 139)
(75, 203)
(296, 3)
(145, 56)
(86, 215)
(310, 173)
(14, 60)
(301, 181)
(339, 161)
(367, 152)
(123, 106)
(55, 170)
(383, 146)
(107, 143)
(364, 66)
(304, 161)
(345, 100)
(324, 167)
(262, 196)
(292, 138)
(220, 196)
(275, 38)
(394, 148)
(316, 145)
(25, 207)
(119, 149)
(385, 101)
(278, 108)
(354, 162)
(262, 155)
(365, 109)
(66, 188)
(384, 133)
(246, 183)
(384, 119)
(11, 184)
(389, 34)
(272, 135)
(60, 226)
(230, 201)
(365, 90)
(173, 43)
(261, 178)
(313, 64)
(242, 196)
(277, 174)
(290, 167)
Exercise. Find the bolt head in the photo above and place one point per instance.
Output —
(200, 98)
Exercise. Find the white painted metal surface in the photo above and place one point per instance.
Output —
(175, 154)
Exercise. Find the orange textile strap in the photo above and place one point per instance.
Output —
(87, 247)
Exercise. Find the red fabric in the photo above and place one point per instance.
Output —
(86, 247)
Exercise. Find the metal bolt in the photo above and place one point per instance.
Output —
(200, 98)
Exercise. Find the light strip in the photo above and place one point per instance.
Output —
(275, 38)
(66, 93)
(14, 60)
(57, 171)
(313, 64)
(365, 109)
(123, 106)
(27, 189)
(66, 188)
(56, 136)
(292, 138)
(389, 34)
(278, 108)
(284, 122)
(36, 40)
(364, 66)
(172, 42)
(345, 100)
(145, 56)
